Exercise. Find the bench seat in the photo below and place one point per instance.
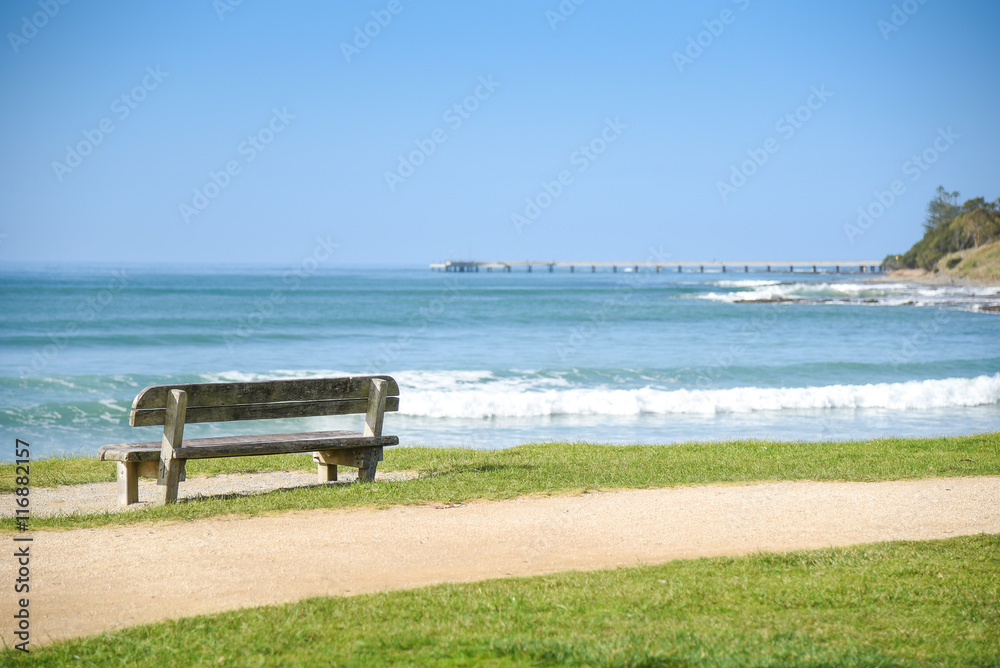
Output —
(234, 446)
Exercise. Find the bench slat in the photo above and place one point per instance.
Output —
(235, 446)
(288, 409)
(263, 392)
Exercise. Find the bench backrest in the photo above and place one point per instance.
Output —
(263, 400)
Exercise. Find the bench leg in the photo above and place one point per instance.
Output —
(128, 483)
(327, 472)
(370, 457)
(169, 473)
(167, 480)
(364, 459)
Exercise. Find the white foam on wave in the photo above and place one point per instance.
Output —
(280, 374)
(442, 381)
(113, 405)
(56, 380)
(520, 398)
(749, 283)
(887, 294)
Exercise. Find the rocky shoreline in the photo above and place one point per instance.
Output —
(921, 277)
(976, 267)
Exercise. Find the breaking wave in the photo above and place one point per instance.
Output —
(886, 294)
(520, 398)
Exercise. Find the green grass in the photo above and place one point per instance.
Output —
(890, 604)
(458, 475)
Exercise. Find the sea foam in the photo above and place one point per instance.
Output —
(517, 398)
(884, 294)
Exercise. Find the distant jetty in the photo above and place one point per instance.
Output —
(808, 266)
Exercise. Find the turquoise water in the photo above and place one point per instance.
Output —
(490, 360)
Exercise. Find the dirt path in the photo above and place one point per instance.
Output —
(92, 580)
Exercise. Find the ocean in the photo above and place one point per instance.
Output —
(491, 360)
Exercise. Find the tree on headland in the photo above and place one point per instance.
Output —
(979, 222)
(942, 209)
(949, 228)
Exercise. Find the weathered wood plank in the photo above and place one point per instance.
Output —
(263, 392)
(130, 452)
(173, 437)
(376, 408)
(151, 469)
(281, 447)
(156, 417)
(356, 457)
(128, 483)
(234, 446)
(149, 451)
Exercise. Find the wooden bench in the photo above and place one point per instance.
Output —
(173, 406)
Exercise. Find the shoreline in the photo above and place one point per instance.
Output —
(972, 267)
(921, 277)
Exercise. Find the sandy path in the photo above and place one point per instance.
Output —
(93, 580)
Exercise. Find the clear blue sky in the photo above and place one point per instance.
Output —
(223, 73)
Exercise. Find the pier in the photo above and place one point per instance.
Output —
(783, 266)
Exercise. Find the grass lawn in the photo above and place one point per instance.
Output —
(890, 604)
(457, 475)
